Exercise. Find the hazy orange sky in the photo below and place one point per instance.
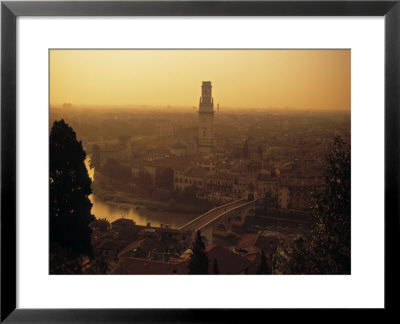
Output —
(304, 79)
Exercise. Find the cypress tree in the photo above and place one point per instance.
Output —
(263, 267)
(215, 267)
(70, 207)
(199, 262)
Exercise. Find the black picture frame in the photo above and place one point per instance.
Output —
(10, 10)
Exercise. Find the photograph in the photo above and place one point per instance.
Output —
(199, 161)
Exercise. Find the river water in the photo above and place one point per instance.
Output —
(139, 214)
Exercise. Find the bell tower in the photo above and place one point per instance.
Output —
(206, 119)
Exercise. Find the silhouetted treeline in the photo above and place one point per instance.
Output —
(327, 248)
(70, 207)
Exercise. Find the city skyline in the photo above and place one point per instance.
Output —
(295, 79)
(199, 190)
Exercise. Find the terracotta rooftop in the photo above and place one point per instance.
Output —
(146, 243)
(267, 243)
(145, 266)
(228, 262)
(108, 245)
(123, 221)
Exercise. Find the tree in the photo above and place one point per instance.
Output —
(215, 267)
(101, 224)
(118, 267)
(269, 200)
(199, 262)
(114, 170)
(189, 194)
(61, 261)
(165, 178)
(70, 207)
(326, 249)
(144, 179)
(250, 196)
(263, 267)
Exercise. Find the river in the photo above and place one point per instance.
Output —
(139, 214)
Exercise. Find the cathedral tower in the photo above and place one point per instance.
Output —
(206, 120)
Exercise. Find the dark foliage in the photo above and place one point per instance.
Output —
(62, 261)
(143, 179)
(165, 179)
(189, 193)
(215, 267)
(114, 170)
(326, 250)
(263, 268)
(70, 207)
(199, 262)
(101, 224)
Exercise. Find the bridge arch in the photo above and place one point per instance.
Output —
(220, 220)
(204, 240)
(221, 227)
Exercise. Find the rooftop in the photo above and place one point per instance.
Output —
(146, 266)
(228, 262)
(267, 243)
(123, 222)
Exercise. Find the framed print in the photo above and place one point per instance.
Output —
(176, 155)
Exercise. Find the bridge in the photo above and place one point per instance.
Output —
(220, 220)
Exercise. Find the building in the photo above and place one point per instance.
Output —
(284, 197)
(194, 176)
(268, 186)
(220, 186)
(145, 266)
(228, 261)
(252, 246)
(205, 139)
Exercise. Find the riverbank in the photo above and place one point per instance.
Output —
(130, 200)
(141, 215)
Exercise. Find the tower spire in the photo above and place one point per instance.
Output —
(206, 119)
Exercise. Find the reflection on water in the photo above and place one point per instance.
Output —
(139, 214)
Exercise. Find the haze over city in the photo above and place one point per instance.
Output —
(200, 162)
(295, 79)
